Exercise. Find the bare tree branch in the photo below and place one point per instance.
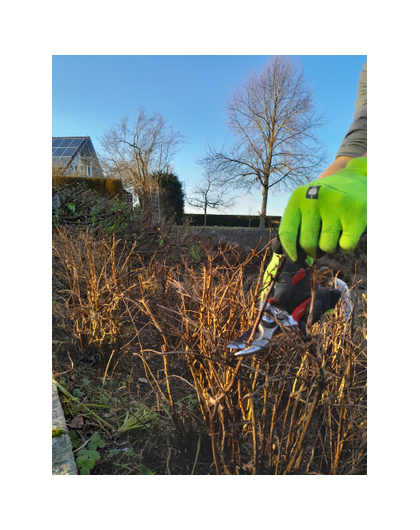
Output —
(138, 152)
(210, 193)
(273, 120)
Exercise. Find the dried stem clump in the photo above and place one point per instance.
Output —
(299, 407)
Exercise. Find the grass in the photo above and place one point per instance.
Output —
(150, 324)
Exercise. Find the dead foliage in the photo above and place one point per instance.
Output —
(299, 407)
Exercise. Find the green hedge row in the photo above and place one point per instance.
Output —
(104, 187)
(229, 221)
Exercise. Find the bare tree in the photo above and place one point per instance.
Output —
(250, 214)
(209, 193)
(138, 152)
(273, 120)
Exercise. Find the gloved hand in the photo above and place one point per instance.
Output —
(326, 214)
(269, 273)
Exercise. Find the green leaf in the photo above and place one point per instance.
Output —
(143, 470)
(89, 454)
(85, 471)
(77, 393)
(90, 463)
(113, 452)
(75, 441)
(96, 441)
(81, 461)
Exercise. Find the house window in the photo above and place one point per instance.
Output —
(88, 171)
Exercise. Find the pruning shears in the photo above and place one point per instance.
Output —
(267, 323)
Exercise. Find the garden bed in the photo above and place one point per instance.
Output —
(148, 385)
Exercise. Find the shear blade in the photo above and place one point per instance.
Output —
(265, 331)
(255, 347)
(240, 342)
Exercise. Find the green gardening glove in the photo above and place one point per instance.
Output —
(269, 273)
(327, 214)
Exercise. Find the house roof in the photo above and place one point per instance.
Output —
(66, 148)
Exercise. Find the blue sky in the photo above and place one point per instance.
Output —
(92, 92)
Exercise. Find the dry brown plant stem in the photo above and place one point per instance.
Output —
(299, 406)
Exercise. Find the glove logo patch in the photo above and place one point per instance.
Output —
(312, 192)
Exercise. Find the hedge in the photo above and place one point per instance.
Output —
(103, 186)
(229, 221)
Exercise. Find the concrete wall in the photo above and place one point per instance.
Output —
(245, 238)
(63, 461)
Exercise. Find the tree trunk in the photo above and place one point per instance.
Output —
(264, 205)
(205, 216)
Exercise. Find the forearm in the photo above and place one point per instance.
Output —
(339, 163)
(355, 141)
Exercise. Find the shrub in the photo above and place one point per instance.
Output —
(174, 304)
(104, 187)
(298, 407)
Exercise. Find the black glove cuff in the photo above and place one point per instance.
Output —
(276, 247)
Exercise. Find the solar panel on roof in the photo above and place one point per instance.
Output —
(59, 151)
(69, 152)
(66, 142)
(76, 142)
(64, 149)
